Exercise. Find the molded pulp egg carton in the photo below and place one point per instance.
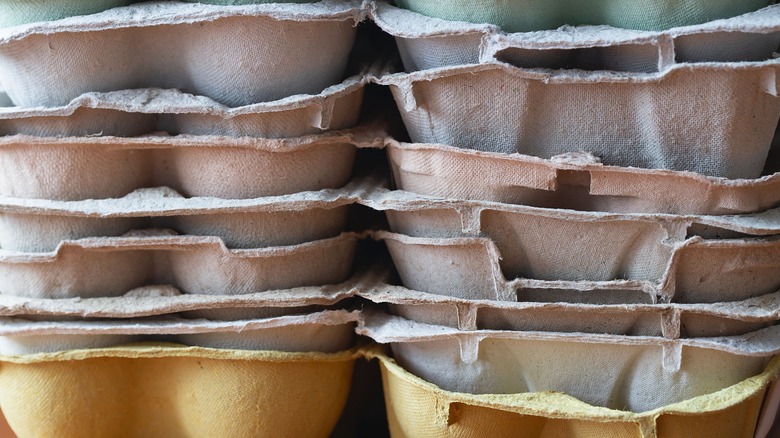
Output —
(103, 167)
(327, 331)
(207, 392)
(214, 51)
(572, 181)
(633, 373)
(426, 42)
(660, 320)
(482, 250)
(167, 300)
(419, 408)
(112, 266)
(530, 15)
(724, 128)
(128, 113)
(35, 225)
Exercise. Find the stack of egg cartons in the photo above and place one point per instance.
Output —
(586, 240)
(177, 176)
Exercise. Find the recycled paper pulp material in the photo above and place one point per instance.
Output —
(15, 12)
(162, 300)
(470, 249)
(418, 408)
(630, 373)
(426, 42)
(35, 225)
(103, 167)
(667, 320)
(112, 266)
(327, 331)
(654, 121)
(572, 181)
(165, 390)
(235, 55)
(530, 15)
(129, 113)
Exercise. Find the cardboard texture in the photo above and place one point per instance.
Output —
(165, 390)
(112, 266)
(327, 331)
(419, 408)
(661, 320)
(207, 50)
(572, 181)
(640, 120)
(165, 300)
(425, 42)
(105, 167)
(483, 250)
(630, 373)
(129, 113)
(530, 15)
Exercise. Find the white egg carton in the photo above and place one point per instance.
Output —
(634, 373)
(572, 181)
(326, 331)
(427, 42)
(234, 55)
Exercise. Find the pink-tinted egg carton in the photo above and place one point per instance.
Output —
(572, 181)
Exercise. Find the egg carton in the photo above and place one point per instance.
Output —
(630, 373)
(572, 181)
(327, 331)
(670, 321)
(113, 266)
(207, 392)
(75, 168)
(16, 12)
(234, 55)
(482, 250)
(39, 225)
(656, 121)
(427, 42)
(129, 113)
(524, 16)
(156, 300)
(417, 407)
(283, 386)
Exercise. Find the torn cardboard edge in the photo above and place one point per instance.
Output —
(670, 320)
(385, 328)
(744, 37)
(473, 268)
(433, 169)
(408, 24)
(164, 299)
(94, 267)
(555, 405)
(82, 167)
(168, 325)
(170, 13)
(326, 331)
